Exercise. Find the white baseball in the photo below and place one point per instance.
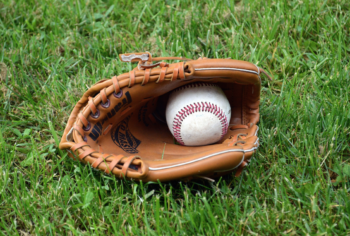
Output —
(198, 114)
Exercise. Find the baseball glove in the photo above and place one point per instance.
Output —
(119, 124)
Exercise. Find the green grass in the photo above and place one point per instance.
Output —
(298, 182)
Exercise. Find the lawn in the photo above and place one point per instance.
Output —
(299, 180)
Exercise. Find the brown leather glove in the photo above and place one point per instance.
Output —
(119, 126)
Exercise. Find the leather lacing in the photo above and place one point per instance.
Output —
(237, 141)
(239, 138)
(119, 164)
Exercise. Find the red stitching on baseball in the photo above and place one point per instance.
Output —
(197, 107)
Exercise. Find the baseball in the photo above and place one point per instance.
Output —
(198, 114)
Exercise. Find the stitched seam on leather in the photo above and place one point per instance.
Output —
(258, 72)
(69, 136)
(225, 68)
(257, 142)
(205, 157)
(243, 107)
(208, 156)
(198, 107)
(256, 132)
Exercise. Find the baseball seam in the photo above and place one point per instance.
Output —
(198, 107)
(193, 85)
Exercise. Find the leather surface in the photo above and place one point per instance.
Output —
(130, 137)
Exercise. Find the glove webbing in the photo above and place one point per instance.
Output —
(177, 73)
